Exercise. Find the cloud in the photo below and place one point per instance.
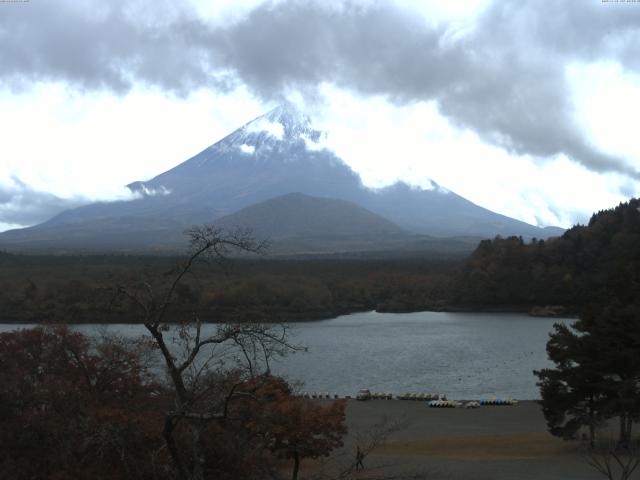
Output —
(314, 144)
(162, 191)
(416, 144)
(21, 205)
(100, 45)
(503, 76)
(505, 79)
(248, 149)
(275, 129)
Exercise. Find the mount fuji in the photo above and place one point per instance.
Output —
(270, 157)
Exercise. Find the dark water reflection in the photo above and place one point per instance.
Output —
(464, 355)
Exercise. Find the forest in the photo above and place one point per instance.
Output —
(558, 276)
(588, 264)
(77, 289)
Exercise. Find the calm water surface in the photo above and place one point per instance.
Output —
(464, 355)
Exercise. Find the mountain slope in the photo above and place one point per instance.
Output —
(274, 155)
(297, 215)
(225, 177)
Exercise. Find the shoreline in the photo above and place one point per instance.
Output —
(534, 312)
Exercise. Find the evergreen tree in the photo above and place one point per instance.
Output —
(573, 393)
(597, 373)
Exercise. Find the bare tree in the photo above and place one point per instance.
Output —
(612, 460)
(197, 359)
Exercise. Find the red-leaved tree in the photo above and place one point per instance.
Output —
(71, 409)
(292, 427)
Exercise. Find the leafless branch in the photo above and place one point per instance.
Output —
(613, 461)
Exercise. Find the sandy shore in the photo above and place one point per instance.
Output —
(488, 443)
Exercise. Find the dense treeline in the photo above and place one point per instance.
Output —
(81, 288)
(588, 264)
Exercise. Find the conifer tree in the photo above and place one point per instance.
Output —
(597, 373)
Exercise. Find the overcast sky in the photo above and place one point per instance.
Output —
(526, 108)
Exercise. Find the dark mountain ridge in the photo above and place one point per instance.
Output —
(303, 226)
(296, 215)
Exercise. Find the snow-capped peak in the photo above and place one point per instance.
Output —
(291, 118)
(276, 131)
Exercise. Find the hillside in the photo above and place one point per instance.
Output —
(588, 263)
(296, 215)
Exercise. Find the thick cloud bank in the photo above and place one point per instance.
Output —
(21, 205)
(504, 77)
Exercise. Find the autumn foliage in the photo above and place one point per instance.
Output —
(294, 428)
(71, 408)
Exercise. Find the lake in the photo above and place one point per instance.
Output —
(463, 355)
